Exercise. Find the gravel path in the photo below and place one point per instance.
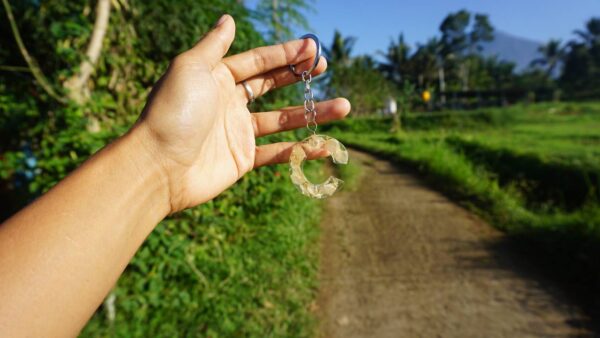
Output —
(401, 260)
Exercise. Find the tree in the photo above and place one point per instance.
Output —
(425, 63)
(360, 82)
(591, 35)
(356, 78)
(139, 41)
(340, 50)
(492, 74)
(454, 32)
(482, 31)
(462, 39)
(77, 84)
(461, 36)
(397, 58)
(581, 72)
(406, 97)
(552, 54)
(281, 17)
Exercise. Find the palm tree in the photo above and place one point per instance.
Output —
(281, 17)
(425, 63)
(339, 57)
(397, 59)
(552, 54)
(591, 35)
(340, 50)
(581, 71)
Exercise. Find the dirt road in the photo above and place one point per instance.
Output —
(401, 260)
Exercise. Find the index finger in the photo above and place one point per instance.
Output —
(263, 59)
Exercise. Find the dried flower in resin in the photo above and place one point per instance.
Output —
(336, 150)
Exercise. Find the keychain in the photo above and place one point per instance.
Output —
(314, 142)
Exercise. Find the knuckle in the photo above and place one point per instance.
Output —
(271, 82)
(290, 52)
(259, 59)
(284, 119)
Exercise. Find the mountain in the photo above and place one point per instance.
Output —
(512, 48)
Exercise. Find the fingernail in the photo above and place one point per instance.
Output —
(221, 20)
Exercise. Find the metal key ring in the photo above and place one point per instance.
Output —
(317, 57)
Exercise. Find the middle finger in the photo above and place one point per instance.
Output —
(293, 117)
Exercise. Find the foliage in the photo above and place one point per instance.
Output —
(460, 36)
(581, 73)
(397, 61)
(425, 64)
(59, 136)
(356, 78)
(452, 62)
(279, 16)
(339, 53)
(351, 174)
(552, 54)
(361, 83)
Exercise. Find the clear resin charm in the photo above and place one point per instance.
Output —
(315, 142)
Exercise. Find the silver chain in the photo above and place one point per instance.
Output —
(310, 111)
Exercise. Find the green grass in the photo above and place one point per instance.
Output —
(351, 174)
(472, 184)
(549, 157)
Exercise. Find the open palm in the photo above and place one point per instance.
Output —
(202, 132)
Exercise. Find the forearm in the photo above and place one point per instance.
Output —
(60, 256)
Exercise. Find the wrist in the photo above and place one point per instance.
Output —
(141, 153)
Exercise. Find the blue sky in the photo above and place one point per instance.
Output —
(375, 22)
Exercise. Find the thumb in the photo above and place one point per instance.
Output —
(216, 43)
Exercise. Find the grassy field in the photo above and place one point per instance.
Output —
(526, 167)
(532, 171)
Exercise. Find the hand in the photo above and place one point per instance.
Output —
(200, 129)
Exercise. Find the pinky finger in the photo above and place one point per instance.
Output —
(280, 153)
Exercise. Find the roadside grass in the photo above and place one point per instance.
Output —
(532, 171)
(472, 184)
(351, 174)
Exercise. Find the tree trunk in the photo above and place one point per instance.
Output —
(442, 85)
(464, 75)
(77, 84)
(31, 62)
